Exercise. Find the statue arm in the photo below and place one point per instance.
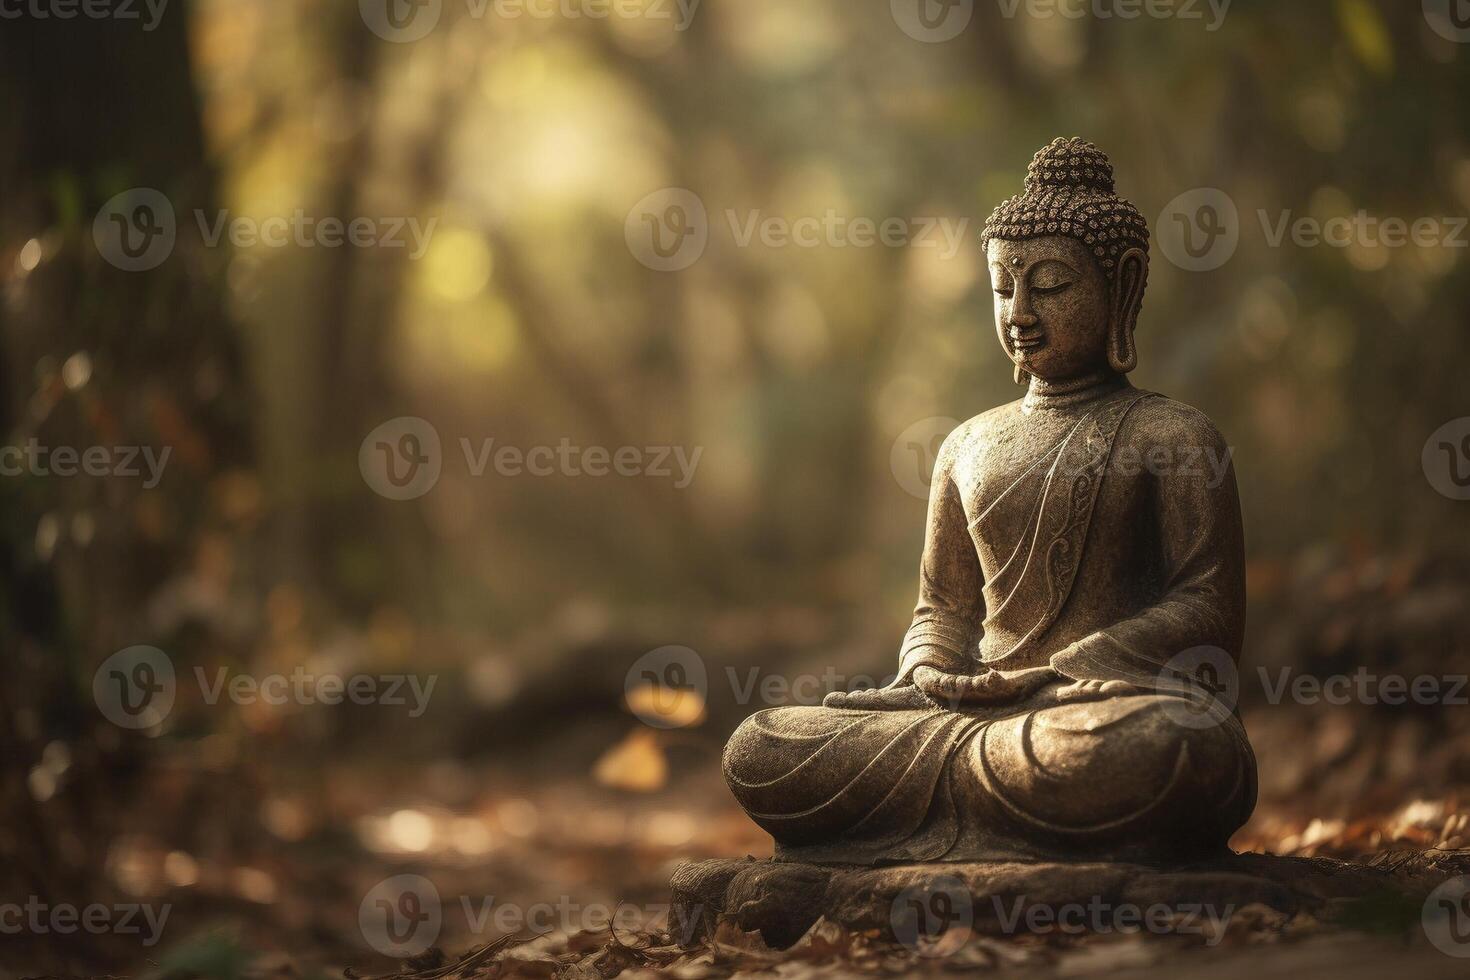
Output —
(935, 661)
(951, 607)
(1202, 602)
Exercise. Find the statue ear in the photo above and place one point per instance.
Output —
(1022, 376)
(1128, 285)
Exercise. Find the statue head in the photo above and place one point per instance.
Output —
(1068, 262)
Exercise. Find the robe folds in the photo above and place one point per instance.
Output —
(1098, 533)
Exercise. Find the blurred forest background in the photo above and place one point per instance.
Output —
(527, 318)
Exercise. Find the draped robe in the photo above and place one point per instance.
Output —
(1099, 533)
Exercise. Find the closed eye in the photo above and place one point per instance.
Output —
(1051, 290)
(1005, 292)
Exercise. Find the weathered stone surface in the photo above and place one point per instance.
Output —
(783, 899)
(1060, 738)
(1220, 888)
(1065, 689)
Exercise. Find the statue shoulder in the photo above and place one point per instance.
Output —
(966, 442)
(1160, 420)
(976, 430)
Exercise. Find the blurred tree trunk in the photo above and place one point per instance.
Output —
(92, 355)
(355, 384)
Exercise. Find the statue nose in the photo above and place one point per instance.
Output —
(1021, 319)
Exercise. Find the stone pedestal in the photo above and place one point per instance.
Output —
(918, 904)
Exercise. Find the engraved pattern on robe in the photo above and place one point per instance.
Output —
(1011, 577)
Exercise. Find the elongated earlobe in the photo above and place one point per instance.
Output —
(1128, 286)
(1022, 376)
(1122, 351)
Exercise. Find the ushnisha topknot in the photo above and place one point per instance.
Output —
(1070, 191)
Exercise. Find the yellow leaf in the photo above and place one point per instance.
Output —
(1366, 34)
(666, 706)
(637, 763)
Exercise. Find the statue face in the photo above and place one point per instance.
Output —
(1052, 306)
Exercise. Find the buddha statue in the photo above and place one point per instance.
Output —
(1076, 548)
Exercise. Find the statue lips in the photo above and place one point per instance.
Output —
(1021, 345)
